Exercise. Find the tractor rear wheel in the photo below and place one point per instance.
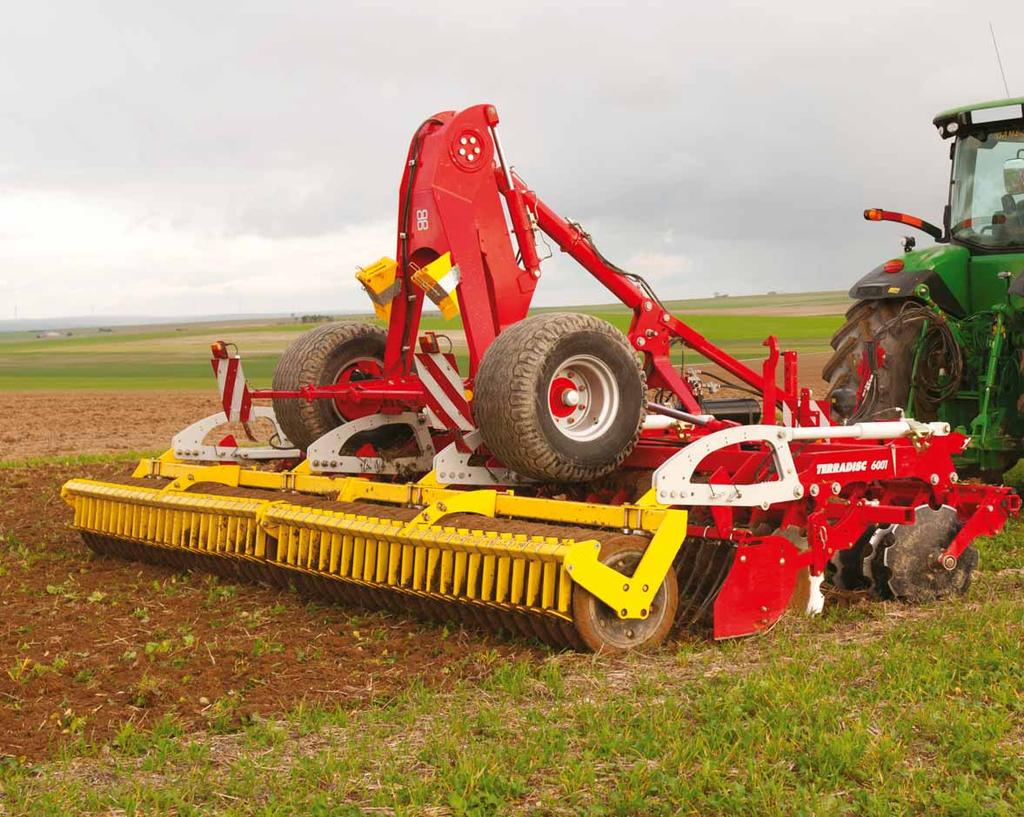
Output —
(883, 324)
(560, 397)
(329, 354)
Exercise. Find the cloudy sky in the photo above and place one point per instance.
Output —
(188, 158)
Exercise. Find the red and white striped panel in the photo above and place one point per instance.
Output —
(234, 391)
(447, 406)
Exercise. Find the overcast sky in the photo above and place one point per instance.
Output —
(187, 158)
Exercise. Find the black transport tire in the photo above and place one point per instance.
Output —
(317, 358)
(515, 383)
(879, 322)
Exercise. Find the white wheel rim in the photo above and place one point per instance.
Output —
(583, 398)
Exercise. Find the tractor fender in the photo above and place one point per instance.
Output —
(881, 285)
(942, 268)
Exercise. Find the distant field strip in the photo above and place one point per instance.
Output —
(177, 357)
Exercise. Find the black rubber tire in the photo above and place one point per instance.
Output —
(316, 358)
(602, 631)
(868, 321)
(510, 405)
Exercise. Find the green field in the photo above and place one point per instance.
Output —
(872, 709)
(176, 356)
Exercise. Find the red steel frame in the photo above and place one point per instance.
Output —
(450, 202)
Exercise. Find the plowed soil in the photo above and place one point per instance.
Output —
(45, 424)
(89, 644)
(48, 424)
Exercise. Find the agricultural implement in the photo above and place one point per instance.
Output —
(565, 481)
(938, 332)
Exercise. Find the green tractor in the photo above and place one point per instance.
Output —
(938, 332)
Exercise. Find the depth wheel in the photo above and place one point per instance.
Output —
(560, 397)
(600, 627)
(905, 563)
(869, 322)
(332, 353)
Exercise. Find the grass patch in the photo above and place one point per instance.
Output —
(1006, 550)
(890, 711)
(77, 459)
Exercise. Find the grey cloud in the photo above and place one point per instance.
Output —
(753, 133)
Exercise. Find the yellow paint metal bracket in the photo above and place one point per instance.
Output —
(380, 284)
(478, 502)
(439, 280)
(629, 596)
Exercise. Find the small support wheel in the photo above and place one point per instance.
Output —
(560, 397)
(601, 628)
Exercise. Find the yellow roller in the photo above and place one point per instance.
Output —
(575, 574)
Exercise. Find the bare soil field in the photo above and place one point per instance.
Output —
(90, 644)
(44, 424)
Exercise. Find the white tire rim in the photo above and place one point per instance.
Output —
(583, 398)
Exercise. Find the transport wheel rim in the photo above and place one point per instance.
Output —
(583, 398)
(603, 630)
(361, 368)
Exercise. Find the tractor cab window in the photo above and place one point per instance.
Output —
(988, 190)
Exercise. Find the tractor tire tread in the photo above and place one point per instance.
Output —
(867, 321)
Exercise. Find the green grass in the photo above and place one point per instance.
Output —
(872, 709)
(177, 357)
(77, 459)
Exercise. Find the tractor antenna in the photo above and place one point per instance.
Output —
(999, 59)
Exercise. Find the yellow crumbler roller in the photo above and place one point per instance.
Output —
(529, 566)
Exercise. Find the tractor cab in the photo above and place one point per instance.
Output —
(938, 332)
(986, 199)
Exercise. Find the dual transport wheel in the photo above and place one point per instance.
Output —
(558, 397)
(334, 353)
